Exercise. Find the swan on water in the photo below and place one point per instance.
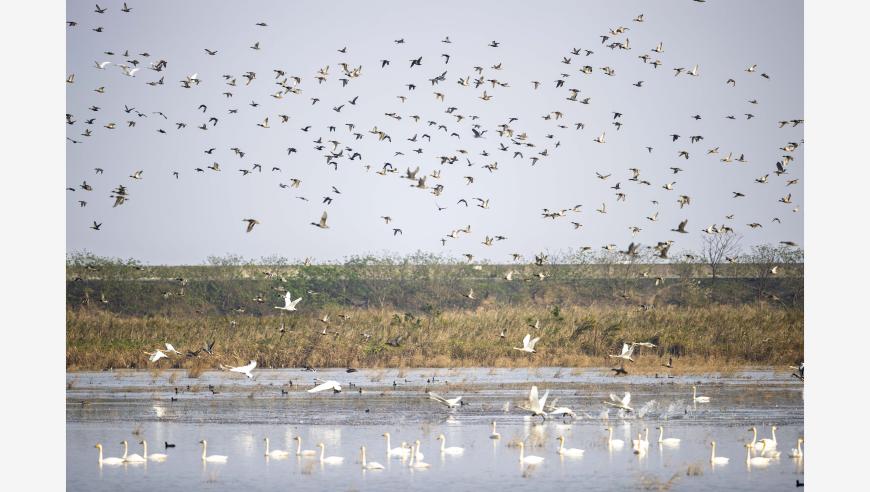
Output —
(797, 452)
(699, 399)
(536, 405)
(107, 461)
(613, 443)
(717, 460)
(670, 441)
(453, 450)
(756, 461)
(275, 453)
(531, 459)
(215, 458)
(303, 452)
(153, 456)
(370, 465)
(494, 435)
(397, 452)
(329, 460)
(570, 452)
(416, 457)
(758, 444)
(131, 458)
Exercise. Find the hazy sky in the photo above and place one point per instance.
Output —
(169, 220)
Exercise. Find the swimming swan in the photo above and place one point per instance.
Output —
(371, 465)
(569, 452)
(797, 452)
(215, 458)
(760, 443)
(152, 457)
(614, 443)
(453, 450)
(329, 460)
(132, 458)
(494, 435)
(671, 441)
(303, 452)
(397, 452)
(531, 459)
(756, 461)
(277, 453)
(717, 460)
(416, 457)
(699, 399)
(107, 461)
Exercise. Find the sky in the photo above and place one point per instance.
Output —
(183, 220)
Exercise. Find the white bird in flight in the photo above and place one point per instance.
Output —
(289, 304)
(449, 402)
(528, 344)
(326, 385)
(246, 370)
(622, 403)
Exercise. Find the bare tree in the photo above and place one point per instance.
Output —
(717, 250)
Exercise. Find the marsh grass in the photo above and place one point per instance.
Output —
(713, 338)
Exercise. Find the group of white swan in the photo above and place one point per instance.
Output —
(129, 458)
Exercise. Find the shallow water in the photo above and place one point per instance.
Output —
(241, 412)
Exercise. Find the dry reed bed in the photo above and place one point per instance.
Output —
(711, 338)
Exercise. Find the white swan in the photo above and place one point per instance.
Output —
(797, 452)
(494, 435)
(639, 445)
(154, 456)
(303, 452)
(215, 458)
(626, 352)
(131, 458)
(621, 403)
(531, 459)
(699, 399)
(569, 452)
(756, 461)
(452, 450)
(528, 344)
(769, 453)
(416, 457)
(329, 460)
(107, 461)
(449, 402)
(397, 452)
(614, 443)
(246, 370)
(370, 465)
(410, 448)
(717, 460)
(275, 453)
(759, 444)
(671, 441)
(536, 405)
(326, 385)
(289, 304)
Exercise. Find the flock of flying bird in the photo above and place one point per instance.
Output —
(480, 149)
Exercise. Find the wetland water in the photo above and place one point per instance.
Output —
(237, 413)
